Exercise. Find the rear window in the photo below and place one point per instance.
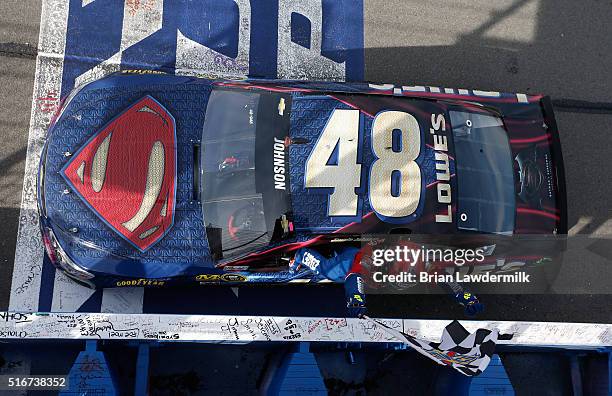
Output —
(485, 174)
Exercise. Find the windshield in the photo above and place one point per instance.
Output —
(241, 195)
(485, 173)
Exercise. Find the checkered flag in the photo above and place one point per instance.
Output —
(467, 353)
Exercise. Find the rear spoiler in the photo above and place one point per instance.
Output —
(561, 192)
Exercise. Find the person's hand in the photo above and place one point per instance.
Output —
(355, 306)
(355, 297)
(294, 266)
(470, 303)
(308, 258)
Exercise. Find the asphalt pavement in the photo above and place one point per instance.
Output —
(532, 46)
(19, 21)
(556, 47)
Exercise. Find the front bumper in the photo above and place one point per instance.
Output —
(62, 261)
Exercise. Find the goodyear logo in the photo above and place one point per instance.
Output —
(141, 282)
(220, 278)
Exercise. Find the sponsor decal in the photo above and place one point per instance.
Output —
(236, 268)
(142, 71)
(126, 173)
(310, 261)
(279, 164)
(220, 278)
(419, 89)
(141, 282)
(233, 278)
(440, 145)
(548, 168)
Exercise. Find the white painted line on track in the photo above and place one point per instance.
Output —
(27, 269)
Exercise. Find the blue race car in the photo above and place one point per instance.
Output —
(149, 179)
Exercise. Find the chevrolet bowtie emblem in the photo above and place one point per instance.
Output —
(281, 107)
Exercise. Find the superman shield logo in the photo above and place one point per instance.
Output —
(126, 173)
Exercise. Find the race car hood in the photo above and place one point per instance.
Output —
(118, 175)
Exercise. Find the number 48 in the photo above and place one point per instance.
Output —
(342, 130)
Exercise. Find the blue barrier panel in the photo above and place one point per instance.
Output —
(90, 374)
(142, 370)
(493, 381)
(298, 374)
